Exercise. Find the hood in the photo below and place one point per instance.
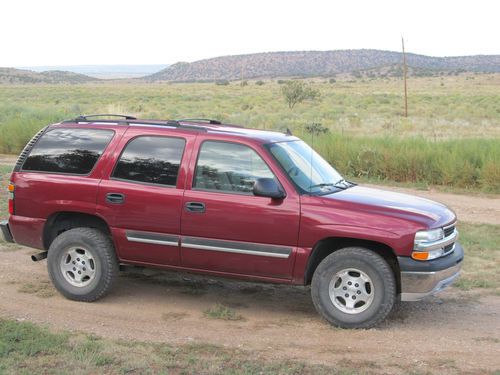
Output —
(423, 211)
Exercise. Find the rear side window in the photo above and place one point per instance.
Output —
(74, 151)
(154, 160)
(229, 167)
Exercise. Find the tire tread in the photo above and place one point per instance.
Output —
(377, 262)
(105, 248)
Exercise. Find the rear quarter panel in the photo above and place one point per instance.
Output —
(38, 195)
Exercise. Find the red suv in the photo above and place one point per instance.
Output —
(200, 196)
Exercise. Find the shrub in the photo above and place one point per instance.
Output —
(296, 92)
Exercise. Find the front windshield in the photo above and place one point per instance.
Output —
(308, 170)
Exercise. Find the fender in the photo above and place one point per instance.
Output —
(343, 233)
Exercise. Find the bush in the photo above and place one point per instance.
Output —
(296, 92)
(222, 82)
(259, 83)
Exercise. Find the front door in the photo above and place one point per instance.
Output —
(225, 228)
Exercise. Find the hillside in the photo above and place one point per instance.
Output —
(104, 71)
(316, 63)
(21, 76)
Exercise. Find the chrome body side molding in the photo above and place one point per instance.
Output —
(248, 248)
(152, 238)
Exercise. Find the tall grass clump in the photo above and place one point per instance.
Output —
(462, 163)
(18, 125)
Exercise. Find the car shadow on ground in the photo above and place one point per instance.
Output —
(271, 299)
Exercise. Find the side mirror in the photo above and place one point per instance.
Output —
(268, 187)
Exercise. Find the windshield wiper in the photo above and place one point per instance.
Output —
(340, 184)
(324, 184)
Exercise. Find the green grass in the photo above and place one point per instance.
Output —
(222, 312)
(28, 349)
(482, 257)
(460, 163)
(5, 171)
(451, 137)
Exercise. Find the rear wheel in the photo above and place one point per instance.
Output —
(82, 264)
(353, 288)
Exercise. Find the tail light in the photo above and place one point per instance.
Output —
(11, 198)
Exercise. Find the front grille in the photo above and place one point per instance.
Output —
(448, 248)
(448, 231)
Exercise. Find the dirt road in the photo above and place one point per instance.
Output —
(470, 208)
(457, 332)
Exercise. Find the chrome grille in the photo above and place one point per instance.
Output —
(449, 230)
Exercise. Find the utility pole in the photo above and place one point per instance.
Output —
(242, 68)
(405, 74)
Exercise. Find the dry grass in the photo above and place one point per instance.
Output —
(42, 289)
(222, 312)
(365, 115)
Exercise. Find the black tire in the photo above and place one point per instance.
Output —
(103, 259)
(382, 281)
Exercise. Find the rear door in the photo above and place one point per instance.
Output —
(142, 197)
(225, 228)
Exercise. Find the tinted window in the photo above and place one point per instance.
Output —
(68, 150)
(154, 160)
(229, 167)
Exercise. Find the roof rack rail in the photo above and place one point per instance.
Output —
(86, 117)
(210, 121)
(129, 120)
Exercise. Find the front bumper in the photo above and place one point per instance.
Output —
(7, 235)
(421, 279)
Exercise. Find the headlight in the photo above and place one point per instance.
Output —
(424, 237)
(429, 235)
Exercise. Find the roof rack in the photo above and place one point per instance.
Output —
(207, 120)
(86, 117)
(130, 120)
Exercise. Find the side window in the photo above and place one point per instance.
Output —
(228, 167)
(63, 150)
(151, 159)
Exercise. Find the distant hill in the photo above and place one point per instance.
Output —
(20, 76)
(316, 63)
(104, 71)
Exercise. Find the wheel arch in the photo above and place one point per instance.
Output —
(59, 222)
(327, 246)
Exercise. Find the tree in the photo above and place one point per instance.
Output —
(298, 91)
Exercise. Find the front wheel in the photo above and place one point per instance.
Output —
(82, 264)
(353, 288)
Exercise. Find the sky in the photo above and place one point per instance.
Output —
(81, 32)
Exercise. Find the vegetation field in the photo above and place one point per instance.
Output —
(451, 136)
(28, 349)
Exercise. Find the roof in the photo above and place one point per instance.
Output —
(203, 125)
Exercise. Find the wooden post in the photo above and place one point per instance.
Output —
(242, 67)
(405, 74)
